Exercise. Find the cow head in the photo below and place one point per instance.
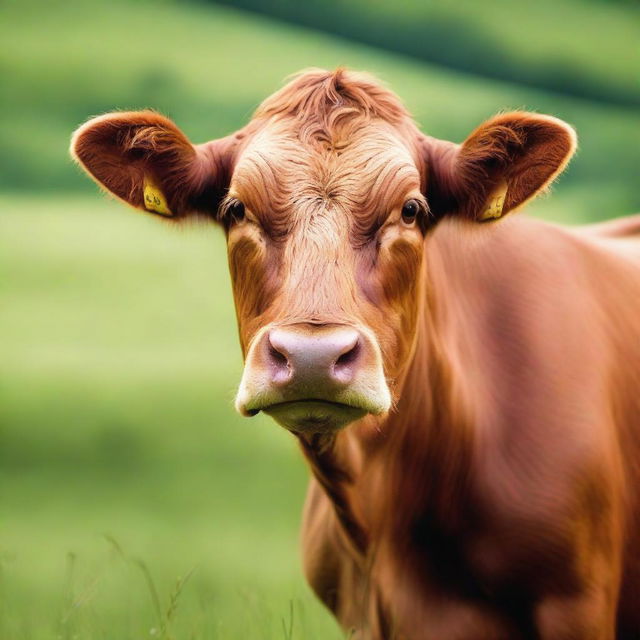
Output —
(327, 198)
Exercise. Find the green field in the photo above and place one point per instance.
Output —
(586, 48)
(120, 455)
(118, 371)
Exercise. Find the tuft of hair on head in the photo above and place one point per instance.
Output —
(325, 96)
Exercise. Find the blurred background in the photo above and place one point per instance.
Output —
(133, 501)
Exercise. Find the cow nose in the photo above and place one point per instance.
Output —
(325, 355)
(314, 377)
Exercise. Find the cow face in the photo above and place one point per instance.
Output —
(325, 244)
(327, 199)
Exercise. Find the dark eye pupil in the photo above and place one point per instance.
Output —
(410, 210)
(236, 211)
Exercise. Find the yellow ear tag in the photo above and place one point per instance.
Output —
(154, 199)
(495, 202)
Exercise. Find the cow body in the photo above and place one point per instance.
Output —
(513, 453)
(465, 389)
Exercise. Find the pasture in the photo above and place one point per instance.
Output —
(118, 371)
(134, 502)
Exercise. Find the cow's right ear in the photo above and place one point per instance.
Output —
(143, 159)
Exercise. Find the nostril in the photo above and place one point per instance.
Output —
(348, 356)
(277, 357)
(344, 366)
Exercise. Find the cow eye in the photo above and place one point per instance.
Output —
(231, 212)
(410, 211)
(236, 211)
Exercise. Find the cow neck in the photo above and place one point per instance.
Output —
(428, 457)
(333, 463)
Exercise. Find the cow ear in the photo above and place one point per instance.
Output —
(143, 159)
(502, 165)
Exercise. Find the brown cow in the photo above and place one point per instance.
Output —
(487, 486)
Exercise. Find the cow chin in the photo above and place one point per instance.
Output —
(314, 412)
(314, 416)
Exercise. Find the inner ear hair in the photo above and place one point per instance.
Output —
(510, 159)
(502, 165)
(146, 161)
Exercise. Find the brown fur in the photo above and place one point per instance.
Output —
(498, 499)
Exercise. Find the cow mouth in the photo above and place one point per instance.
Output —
(314, 415)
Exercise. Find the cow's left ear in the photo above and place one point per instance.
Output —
(502, 165)
(146, 161)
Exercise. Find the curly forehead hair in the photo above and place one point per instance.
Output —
(323, 102)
